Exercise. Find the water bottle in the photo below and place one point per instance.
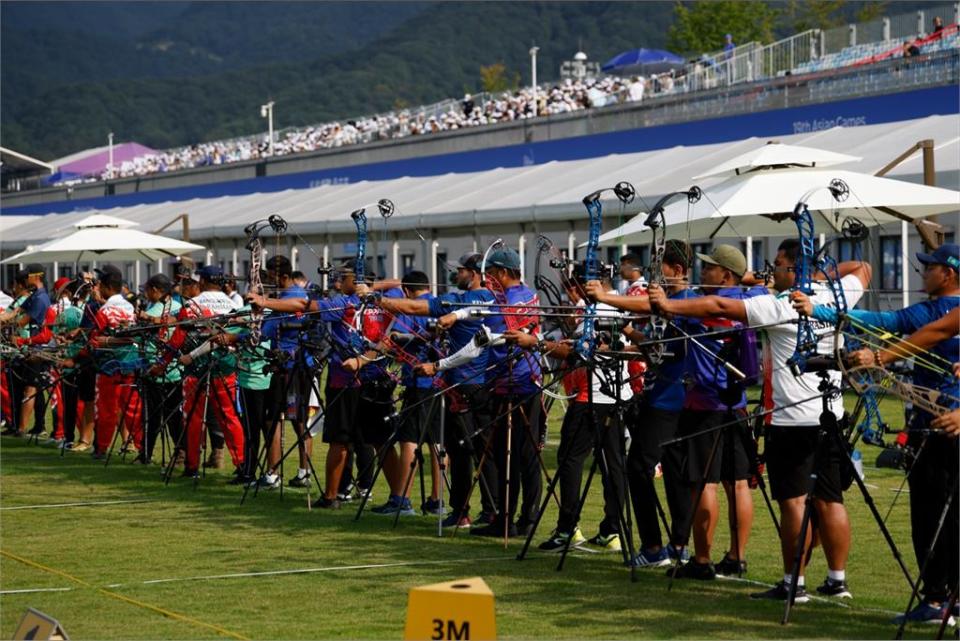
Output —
(858, 463)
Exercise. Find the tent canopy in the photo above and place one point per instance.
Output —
(101, 237)
(550, 192)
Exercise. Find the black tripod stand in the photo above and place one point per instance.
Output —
(830, 429)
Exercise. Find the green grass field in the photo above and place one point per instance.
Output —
(166, 567)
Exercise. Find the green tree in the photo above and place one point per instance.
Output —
(701, 26)
(820, 14)
(494, 78)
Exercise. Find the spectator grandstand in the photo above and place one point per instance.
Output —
(810, 52)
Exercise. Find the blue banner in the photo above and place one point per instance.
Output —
(895, 107)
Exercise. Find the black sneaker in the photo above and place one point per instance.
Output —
(780, 592)
(694, 570)
(98, 456)
(324, 503)
(731, 567)
(299, 481)
(495, 530)
(485, 518)
(240, 479)
(190, 474)
(836, 589)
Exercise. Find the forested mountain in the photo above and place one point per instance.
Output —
(173, 73)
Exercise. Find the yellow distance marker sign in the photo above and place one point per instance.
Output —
(453, 610)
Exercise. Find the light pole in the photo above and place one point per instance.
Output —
(266, 111)
(110, 155)
(533, 76)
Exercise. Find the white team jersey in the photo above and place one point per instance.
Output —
(781, 386)
(214, 302)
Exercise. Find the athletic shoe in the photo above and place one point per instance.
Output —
(731, 567)
(495, 530)
(649, 559)
(524, 526)
(558, 540)
(98, 456)
(485, 518)
(37, 434)
(432, 506)
(299, 481)
(241, 479)
(387, 508)
(837, 589)
(926, 612)
(364, 493)
(694, 570)
(347, 495)
(324, 503)
(675, 553)
(606, 542)
(79, 446)
(190, 474)
(10, 432)
(53, 440)
(266, 484)
(780, 592)
(460, 522)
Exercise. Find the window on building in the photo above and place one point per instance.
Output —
(66, 271)
(406, 263)
(846, 249)
(892, 263)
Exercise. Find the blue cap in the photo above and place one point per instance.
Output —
(506, 258)
(948, 254)
(210, 272)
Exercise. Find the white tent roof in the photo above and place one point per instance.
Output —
(777, 154)
(105, 243)
(551, 191)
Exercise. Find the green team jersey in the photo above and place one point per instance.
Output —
(174, 372)
(68, 319)
(250, 364)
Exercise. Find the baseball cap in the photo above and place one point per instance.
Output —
(506, 258)
(160, 281)
(349, 267)
(61, 283)
(470, 260)
(210, 272)
(728, 257)
(947, 254)
(35, 268)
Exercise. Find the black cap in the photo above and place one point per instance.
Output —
(210, 272)
(35, 268)
(471, 260)
(160, 281)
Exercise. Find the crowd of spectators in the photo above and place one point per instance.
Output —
(472, 111)
(564, 97)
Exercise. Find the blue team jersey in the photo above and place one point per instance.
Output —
(338, 314)
(36, 307)
(518, 371)
(667, 390)
(462, 332)
(376, 322)
(704, 364)
(283, 331)
(422, 350)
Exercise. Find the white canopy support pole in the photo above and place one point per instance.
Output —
(136, 272)
(56, 270)
(823, 241)
(623, 250)
(235, 261)
(159, 265)
(294, 255)
(395, 258)
(749, 253)
(522, 250)
(324, 282)
(904, 272)
(434, 246)
(571, 245)
(209, 257)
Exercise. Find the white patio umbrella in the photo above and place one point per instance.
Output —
(759, 203)
(104, 238)
(778, 155)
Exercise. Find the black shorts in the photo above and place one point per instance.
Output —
(420, 418)
(340, 421)
(730, 460)
(374, 408)
(790, 452)
(86, 379)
